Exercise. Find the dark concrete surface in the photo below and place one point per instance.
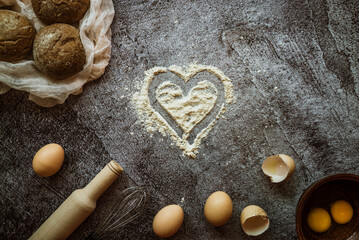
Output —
(295, 69)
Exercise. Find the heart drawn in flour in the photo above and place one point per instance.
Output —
(186, 110)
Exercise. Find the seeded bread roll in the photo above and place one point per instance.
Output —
(60, 11)
(16, 36)
(58, 51)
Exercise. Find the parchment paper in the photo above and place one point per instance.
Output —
(95, 34)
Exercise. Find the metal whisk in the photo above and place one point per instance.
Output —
(128, 205)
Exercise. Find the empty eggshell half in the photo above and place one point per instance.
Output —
(278, 167)
(254, 220)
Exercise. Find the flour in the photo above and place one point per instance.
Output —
(187, 111)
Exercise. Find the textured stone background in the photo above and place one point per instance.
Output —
(295, 69)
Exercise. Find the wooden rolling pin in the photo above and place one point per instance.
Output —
(78, 206)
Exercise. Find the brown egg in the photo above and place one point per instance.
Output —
(218, 208)
(48, 160)
(168, 220)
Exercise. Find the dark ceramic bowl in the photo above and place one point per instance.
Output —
(322, 194)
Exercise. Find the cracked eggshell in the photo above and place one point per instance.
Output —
(278, 167)
(254, 220)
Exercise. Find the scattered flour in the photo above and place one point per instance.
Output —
(187, 111)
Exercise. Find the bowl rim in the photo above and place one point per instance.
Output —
(309, 190)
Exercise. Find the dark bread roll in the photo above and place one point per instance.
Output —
(60, 11)
(16, 36)
(58, 51)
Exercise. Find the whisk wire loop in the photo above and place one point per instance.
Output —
(128, 205)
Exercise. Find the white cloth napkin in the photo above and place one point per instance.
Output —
(95, 33)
